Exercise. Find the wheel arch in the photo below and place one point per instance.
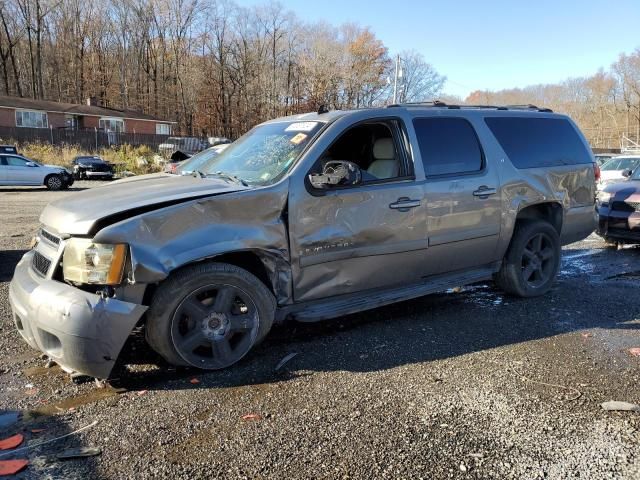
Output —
(551, 212)
(271, 269)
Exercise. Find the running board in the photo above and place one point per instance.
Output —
(323, 309)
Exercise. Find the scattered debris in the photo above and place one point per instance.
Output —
(31, 391)
(37, 430)
(282, 362)
(8, 418)
(34, 445)
(81, 452)
(50, 363)
(141, 392)
(587, 335)
(620, 406)
(463, 467)
(251, 417)
(11, 467)
(80, 378)
(100, 383)
(635, 351)
(11, 442)
(194, 381)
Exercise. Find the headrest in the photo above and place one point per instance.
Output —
(383, 149)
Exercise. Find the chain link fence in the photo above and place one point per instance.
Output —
(90, 140)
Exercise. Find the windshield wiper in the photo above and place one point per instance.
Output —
(228, 176)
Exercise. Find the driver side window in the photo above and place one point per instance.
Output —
(373, 147)
(16, 161)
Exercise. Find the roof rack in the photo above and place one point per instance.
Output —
(439, 104)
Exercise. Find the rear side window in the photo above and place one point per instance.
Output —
(448, 146)
(539, 142)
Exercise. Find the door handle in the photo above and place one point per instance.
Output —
(404, 204)
(484, 191)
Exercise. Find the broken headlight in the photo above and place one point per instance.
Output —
(97, 263)
(604, 197)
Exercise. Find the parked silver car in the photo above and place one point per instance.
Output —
(305, 218)
(17, 170)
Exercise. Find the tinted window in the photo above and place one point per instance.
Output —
(539, 142)
(448, 146)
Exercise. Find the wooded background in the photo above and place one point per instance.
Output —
(606, 105)
(212, 66)
(218, 69)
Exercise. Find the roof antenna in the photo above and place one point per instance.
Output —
(323, 109)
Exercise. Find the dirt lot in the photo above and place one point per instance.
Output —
(468, 384)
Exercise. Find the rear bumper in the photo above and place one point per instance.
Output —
(578, 224)
(81, 331)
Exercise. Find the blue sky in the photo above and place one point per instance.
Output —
(493, 44)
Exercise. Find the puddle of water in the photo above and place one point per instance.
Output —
(481, 295)
(92, 396)
(9, 418)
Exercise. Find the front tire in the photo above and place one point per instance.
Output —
(532, 261)
(54, 182)
(209, 316)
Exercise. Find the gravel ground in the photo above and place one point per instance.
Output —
(468, 384)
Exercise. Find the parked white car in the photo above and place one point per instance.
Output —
(19, 171)
(612, 171)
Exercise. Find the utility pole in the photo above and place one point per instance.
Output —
(396, 77)
(395, 80)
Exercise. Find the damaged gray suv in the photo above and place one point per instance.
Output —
(307, 218)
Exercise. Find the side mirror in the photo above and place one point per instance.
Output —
(31, 164)
(336, 173)
(627, 173)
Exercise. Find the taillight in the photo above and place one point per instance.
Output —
(596, 170)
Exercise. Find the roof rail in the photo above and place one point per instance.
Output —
(439, 104)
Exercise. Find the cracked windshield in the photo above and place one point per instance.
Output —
(262, 155)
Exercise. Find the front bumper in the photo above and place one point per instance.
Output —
(79, 330)
(618, 225)
(89, 173)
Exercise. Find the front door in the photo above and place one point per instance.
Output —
(19, 173)
(359, 237)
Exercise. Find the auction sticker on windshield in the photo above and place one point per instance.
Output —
(299, 138)
(301, 127)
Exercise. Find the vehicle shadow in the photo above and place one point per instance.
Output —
(8, 261)
(423, 330)
(37, 428)
(39, 189)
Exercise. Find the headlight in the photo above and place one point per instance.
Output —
(87, 262)
(604, 197)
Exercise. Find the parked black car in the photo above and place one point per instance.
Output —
(91, 167)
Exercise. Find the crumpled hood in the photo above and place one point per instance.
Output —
(76, 213)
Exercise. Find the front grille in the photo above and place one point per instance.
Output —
(49, 237)
(634, 205)
(623, 206)
(40, 263)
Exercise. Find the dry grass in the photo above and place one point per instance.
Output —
(138, 160)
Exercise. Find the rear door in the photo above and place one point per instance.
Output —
(461, 194)
(3, 170)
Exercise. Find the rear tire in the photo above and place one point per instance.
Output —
(532, 261)
(54, 182)
(209, 316)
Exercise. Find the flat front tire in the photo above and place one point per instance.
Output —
(532, 261)
(209, 316)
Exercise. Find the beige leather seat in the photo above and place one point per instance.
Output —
(385, 164)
